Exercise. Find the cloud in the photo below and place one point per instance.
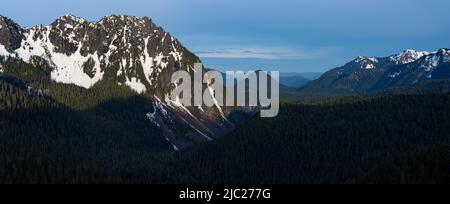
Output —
(269, 53)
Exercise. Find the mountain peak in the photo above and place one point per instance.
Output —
(413, 52)
(71, 17)
(11, 34)
(444, 51)
(126, 19)
(366, 62)
(408, 56)
(4, 19)
(122, 17)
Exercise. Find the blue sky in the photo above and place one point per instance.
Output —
(285, 35)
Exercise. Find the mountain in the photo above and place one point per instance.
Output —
(295, 81)
(306, 75)
(373, 74)
(81, 51)
(100, 58)
(311, 75)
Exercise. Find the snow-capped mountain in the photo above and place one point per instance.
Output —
(408, 56)
(405, 57)
(80, 51)
(377, 73)
(129, 51)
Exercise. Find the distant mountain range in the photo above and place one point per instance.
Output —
(298, 80)
(306, 75)
(374, 74)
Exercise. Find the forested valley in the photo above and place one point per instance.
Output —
(58, 133)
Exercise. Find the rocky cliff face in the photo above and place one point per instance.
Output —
(11, 34)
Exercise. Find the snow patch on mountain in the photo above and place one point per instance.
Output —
(161, 61)
(161, 108)
(73, 18)
(3, 51)
(176, 104)
(147, 63)
(445, 53)
(152, 118)
(136, 85)
(431, 62)
(30, 47)
(408, 56)
(394, 75)
(69, 69)
(367, 62)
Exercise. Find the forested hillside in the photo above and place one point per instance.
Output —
(324, 143)
(429, 166)
(43, 141)
(352, 139)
